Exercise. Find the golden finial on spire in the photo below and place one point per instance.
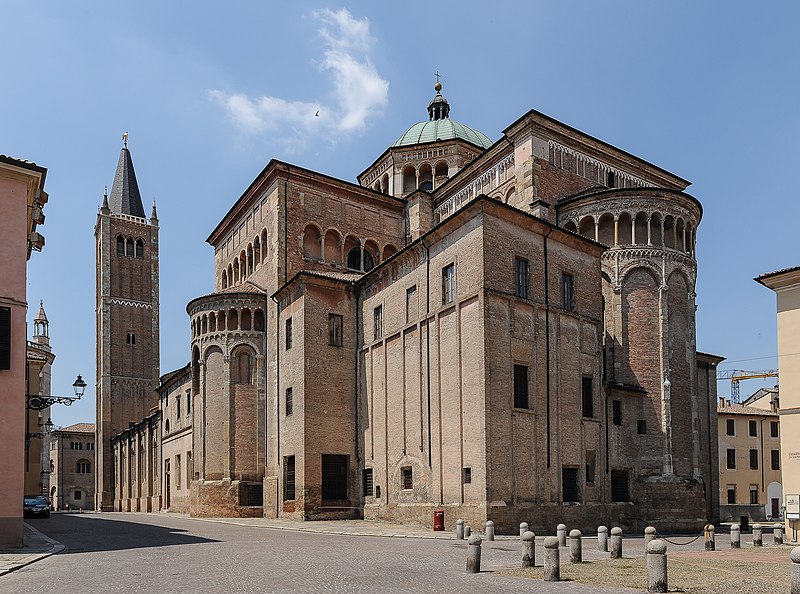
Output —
(438, 85)
(125, 139)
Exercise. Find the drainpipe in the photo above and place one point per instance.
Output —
(428, 341)
(277, 404)
(547, 338)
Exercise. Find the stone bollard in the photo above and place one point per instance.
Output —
(795, 576)
(561, 532)
(575, 547)
(459, 529)
(467, 531)
(777, 534)
(758, 531)
(649, 534)
(523, 528)
(529, 549)
(602, 539)
(489, 530)
(616, 543)
(736, 536)
(474, 554)
(709, 533)
(657, 566)
(552, 562)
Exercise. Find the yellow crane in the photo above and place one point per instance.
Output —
(737, 375)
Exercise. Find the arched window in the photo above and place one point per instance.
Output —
(371, 255)
(256, 252)
(83, 467)
(129, 247)
(369, 261)
(212, 322)
(230, 275)
(312, 243)
(388, 251)
(409, 179)
(263, 245)
(166, 429)
(243, 265)
(440, 173)
(249, 260)
(233, 319)
(333, 246)
(236, 271)
(221, 320)
(139, 249)
(224, 279)
(245, 319)
(354, 258)
(385, 183)
(258, 321)
(425, 177)
(243, 371)
(120, 245)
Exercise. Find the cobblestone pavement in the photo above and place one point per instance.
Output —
(114, 552)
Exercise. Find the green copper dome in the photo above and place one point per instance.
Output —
(441, 127)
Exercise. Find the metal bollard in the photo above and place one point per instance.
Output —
(709, 533)
(523, 528)
(649, 534)
(795, 576)
(467, 531)
(616, 543)
(736, 536)
(561, 532)
(474, 554)
(552, 562)
(459, 529)
(602, 539)
(489, 530)
(758, 532)
(777, 534)
(575, 547)
(529, 549)
(657, 566)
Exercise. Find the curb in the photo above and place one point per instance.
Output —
(27, 559)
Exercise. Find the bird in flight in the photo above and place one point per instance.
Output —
(317, 114)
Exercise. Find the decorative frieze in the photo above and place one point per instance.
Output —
(487, 182)
(592, 169)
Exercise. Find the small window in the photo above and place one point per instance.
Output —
(569, 484)
(773, 429)
(522, 277)
(407, 477)
(731, 494)
(587, 399)
(467, 475)
(619, 486)
(178, 471)
(775, 459)
(752, 428)
(411, 304)
(80, 445)
(730, 427)
(120, 245)
(131, 338)
(753, 459)
(448, 284)
(567, 291)
(377, 329)
(78, 495)
(641, 427)
(166, 426)
(590, 462)
(334, 477)
(368, 483)
(335, 329)
(616, 412)
(731, 459)
(289, 404)
(90, 446)
(611, 179)
(354, 258)
(83, 467)
(129, 247)
(5, 338)
(753, 494)
(288, 333)
(188, 402)
(520, 386)
(288, 478)
(139, 249)
(178, 407)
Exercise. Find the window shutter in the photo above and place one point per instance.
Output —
(5, 338)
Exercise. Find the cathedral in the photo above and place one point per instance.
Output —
(501, 330)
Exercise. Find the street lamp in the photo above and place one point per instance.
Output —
(36, 402)
(48, 428)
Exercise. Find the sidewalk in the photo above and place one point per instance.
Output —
(35, 546)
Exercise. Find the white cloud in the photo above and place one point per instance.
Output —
(358, 92)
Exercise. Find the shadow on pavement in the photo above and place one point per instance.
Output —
(85, 533)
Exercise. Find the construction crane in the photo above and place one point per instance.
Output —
(737, 375)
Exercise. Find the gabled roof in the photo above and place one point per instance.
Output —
(79, 428)
(125, 197)
(733, 408)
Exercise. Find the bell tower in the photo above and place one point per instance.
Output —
(127, 309)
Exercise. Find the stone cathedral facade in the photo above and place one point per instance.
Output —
(504, 330)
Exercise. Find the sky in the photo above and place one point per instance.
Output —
(707, 91)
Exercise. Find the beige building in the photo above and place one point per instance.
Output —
(786, 284)
(72, 467)
(749, 467)
(176, 442)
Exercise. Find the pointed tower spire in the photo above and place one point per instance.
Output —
(125, 197)
(154, 214)
(105, 209)
(41, 327)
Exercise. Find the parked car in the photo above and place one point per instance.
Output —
(34, 507)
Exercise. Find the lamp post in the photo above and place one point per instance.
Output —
(48, 428)
(37, 402)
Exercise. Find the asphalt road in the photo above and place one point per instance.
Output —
(114, 552)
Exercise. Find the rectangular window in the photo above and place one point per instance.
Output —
(619, 486)
(731, 462)
(188, 402)
(335, 329)
(90, 446)
(773, 428)
(467, 475)
(775, 459)
(616, 412)
(334, 477)
(448, 284)
(641, 427)
(411, 304)
(520, 386)
(730, 427)
(611, 179)
(288, 478)
(587, 399)
(178, 407)
(131, 338)
(567, 291)
(377, 320)
(752, 428)
(569, 484)
(83, 468)
(288, 333)
(189, 468)
(753, 459)
(368, 483)
(178, 471)
(407, 477)
(753, 494)
(522, 277)
(78, 495)
(590, 459)
(731, 494)
(5, 338)
(289, 404)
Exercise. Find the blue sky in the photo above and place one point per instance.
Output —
(706, 90)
